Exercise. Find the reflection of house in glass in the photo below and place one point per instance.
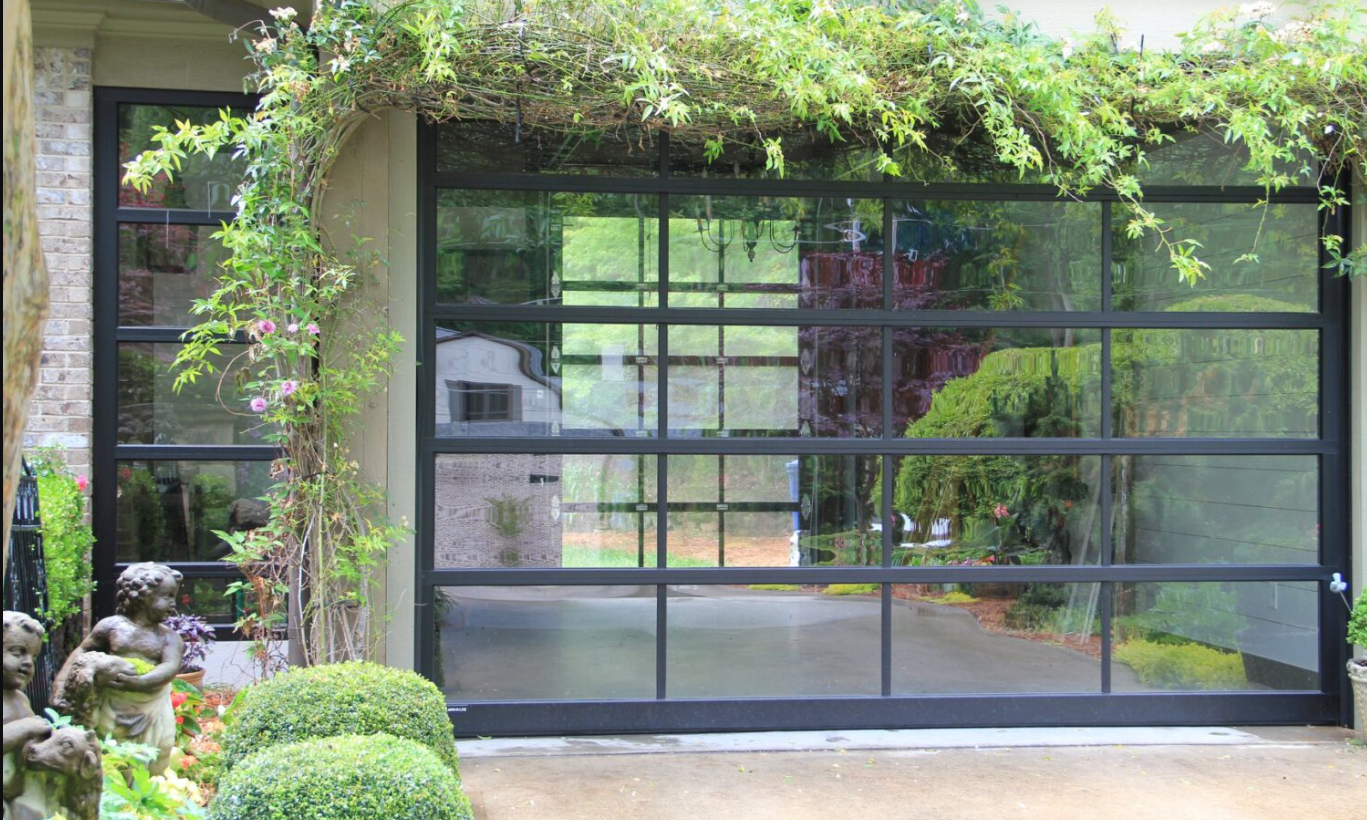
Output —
(488, 385)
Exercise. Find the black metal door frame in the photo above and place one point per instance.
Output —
(106, 451)
(1329, 705)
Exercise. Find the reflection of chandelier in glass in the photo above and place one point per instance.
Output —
(851, 232)
(751, 232)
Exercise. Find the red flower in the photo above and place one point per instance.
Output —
(179, 720)
(178, 699)
(82, 482)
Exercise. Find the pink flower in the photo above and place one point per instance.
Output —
(259, 405)
(288, 387)
(82, 482)
(1001, 511)
(312, 329)
(293, 327)
(266, 325)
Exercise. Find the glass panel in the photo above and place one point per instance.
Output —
(546, 379)
(1216, 636)
(1216, 383)
(168, 510)
(774, 640)
(530, 247)
(774, 511)
(536, 511)
(966, 255)
(545, 642)
(957, 639)
(996, 510)
(1283, 277)
(950, 157)
(488, 147)
(202, 184)
(210, 411)
(775, 381)
(1216, 510)
(995, 382)
(1199, 158)
(163, 269)
(769, 252)
(208, 598)
(805, 156)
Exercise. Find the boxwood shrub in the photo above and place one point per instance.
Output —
(349, 777)
(339, 699)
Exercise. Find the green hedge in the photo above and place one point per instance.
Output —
(342, 778)
(1183, 666)
(339, 699)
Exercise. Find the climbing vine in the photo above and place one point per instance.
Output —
(914, 82)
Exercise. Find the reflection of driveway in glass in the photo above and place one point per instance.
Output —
(724, 641)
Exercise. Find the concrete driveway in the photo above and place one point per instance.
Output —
(1058, 774)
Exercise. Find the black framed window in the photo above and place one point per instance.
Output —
(840, 450)
(171, 467)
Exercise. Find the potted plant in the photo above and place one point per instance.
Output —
(1357, 667)
(197, 635)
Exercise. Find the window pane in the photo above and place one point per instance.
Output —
(210, 411)
(1216, 510)
(545, 511)
(996, 382)
(168, 510)
(1206, 159)
(545, 642)
(774, 640)
(488, 147)
(546, 379)
(954, 639)
(201, 184)
(805, 156)
(996, 510)
(1216, 636)
(774, 511)
(528, 247)
(1216, 383)
(163, 269)
(208, 598)
(775, 381)
(965, 255)
(950, 157)
(1284, 277)
(769, 252)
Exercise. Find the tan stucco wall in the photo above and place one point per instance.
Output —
(376, 180)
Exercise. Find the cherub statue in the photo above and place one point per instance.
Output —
(128, 695)
(23, 639)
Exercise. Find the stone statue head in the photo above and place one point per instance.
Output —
(149, 589)
(23, 640)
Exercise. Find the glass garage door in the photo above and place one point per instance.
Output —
(703, 449)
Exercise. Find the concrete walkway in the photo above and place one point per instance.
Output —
(1058, 774)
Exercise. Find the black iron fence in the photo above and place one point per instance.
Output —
(26, 586)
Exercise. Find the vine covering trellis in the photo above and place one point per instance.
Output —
(904, 78)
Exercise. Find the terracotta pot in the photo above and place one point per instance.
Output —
(195, 679)
(1357, 675)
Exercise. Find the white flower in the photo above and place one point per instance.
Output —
(1213, 46)
(962, 16)
(1257, 10)
(1296, 32)
(284, 14)
(339, 64)
(266, 45)
(1067, 48)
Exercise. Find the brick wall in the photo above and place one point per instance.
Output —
(60, 414)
